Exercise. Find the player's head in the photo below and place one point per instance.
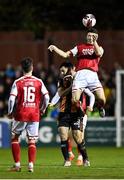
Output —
(92, 30)
(27, 65)
(66, 68)
(91, 33)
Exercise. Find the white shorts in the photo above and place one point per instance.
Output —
(86, 79)
(30, 127)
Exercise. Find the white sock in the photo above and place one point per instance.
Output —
(80, 157)
(70, 152)
(31, 165)
(17, 164)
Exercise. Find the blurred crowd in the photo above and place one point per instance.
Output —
(50, 78)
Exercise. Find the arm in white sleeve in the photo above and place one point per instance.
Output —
(59, 51)
(11, 103)
(45, 98)
(55, 99)
(45, 103)
(91, 96)
(84, 121)
(12, 98)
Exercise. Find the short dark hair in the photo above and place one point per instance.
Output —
(92, 30)
(26, 64)
(67, 64)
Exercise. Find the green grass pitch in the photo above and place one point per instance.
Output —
(106, 163)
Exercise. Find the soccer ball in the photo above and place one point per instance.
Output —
(89, 20)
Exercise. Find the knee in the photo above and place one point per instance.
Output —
(77, 138)
(74, 99)
(14, 137)
(63, 135)
(31, 141)
(102, 100)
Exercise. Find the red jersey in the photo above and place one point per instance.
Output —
(28, 91)
(86, 57)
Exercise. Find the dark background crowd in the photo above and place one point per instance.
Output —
(50, 78)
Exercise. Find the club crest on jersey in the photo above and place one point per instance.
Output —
(88, 51)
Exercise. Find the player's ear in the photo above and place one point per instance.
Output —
(32, 68)
(96, 36)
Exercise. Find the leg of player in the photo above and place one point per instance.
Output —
(79, 161)
(80, 158)
(76, 94)
(32, 134)
(86, 162)
(78, 136)
(31, 154)
(101, 101)
(71, 155)
(15, 147)
(63, 132)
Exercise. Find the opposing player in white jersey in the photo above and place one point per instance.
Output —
(27, 102)
(88, 57)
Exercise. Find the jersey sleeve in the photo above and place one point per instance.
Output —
(74, 51)
(44, 89)
(14, 90)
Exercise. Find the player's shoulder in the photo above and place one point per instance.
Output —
(79, 46)
(19, 79)
(36, 78)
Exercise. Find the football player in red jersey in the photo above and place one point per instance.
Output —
(27, 102)
(88, 58)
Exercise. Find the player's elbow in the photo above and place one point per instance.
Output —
(66, 54)
(99, 54)
(47, 99)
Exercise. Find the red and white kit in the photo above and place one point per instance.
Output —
(31, 96)
(86, 67)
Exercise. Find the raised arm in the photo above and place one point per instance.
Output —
(98, 49)
(59, 51)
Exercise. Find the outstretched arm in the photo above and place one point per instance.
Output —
(59, 94)
(59, 51)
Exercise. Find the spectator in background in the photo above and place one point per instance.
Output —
(107, 79)
(51, 85)
(10, 72)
